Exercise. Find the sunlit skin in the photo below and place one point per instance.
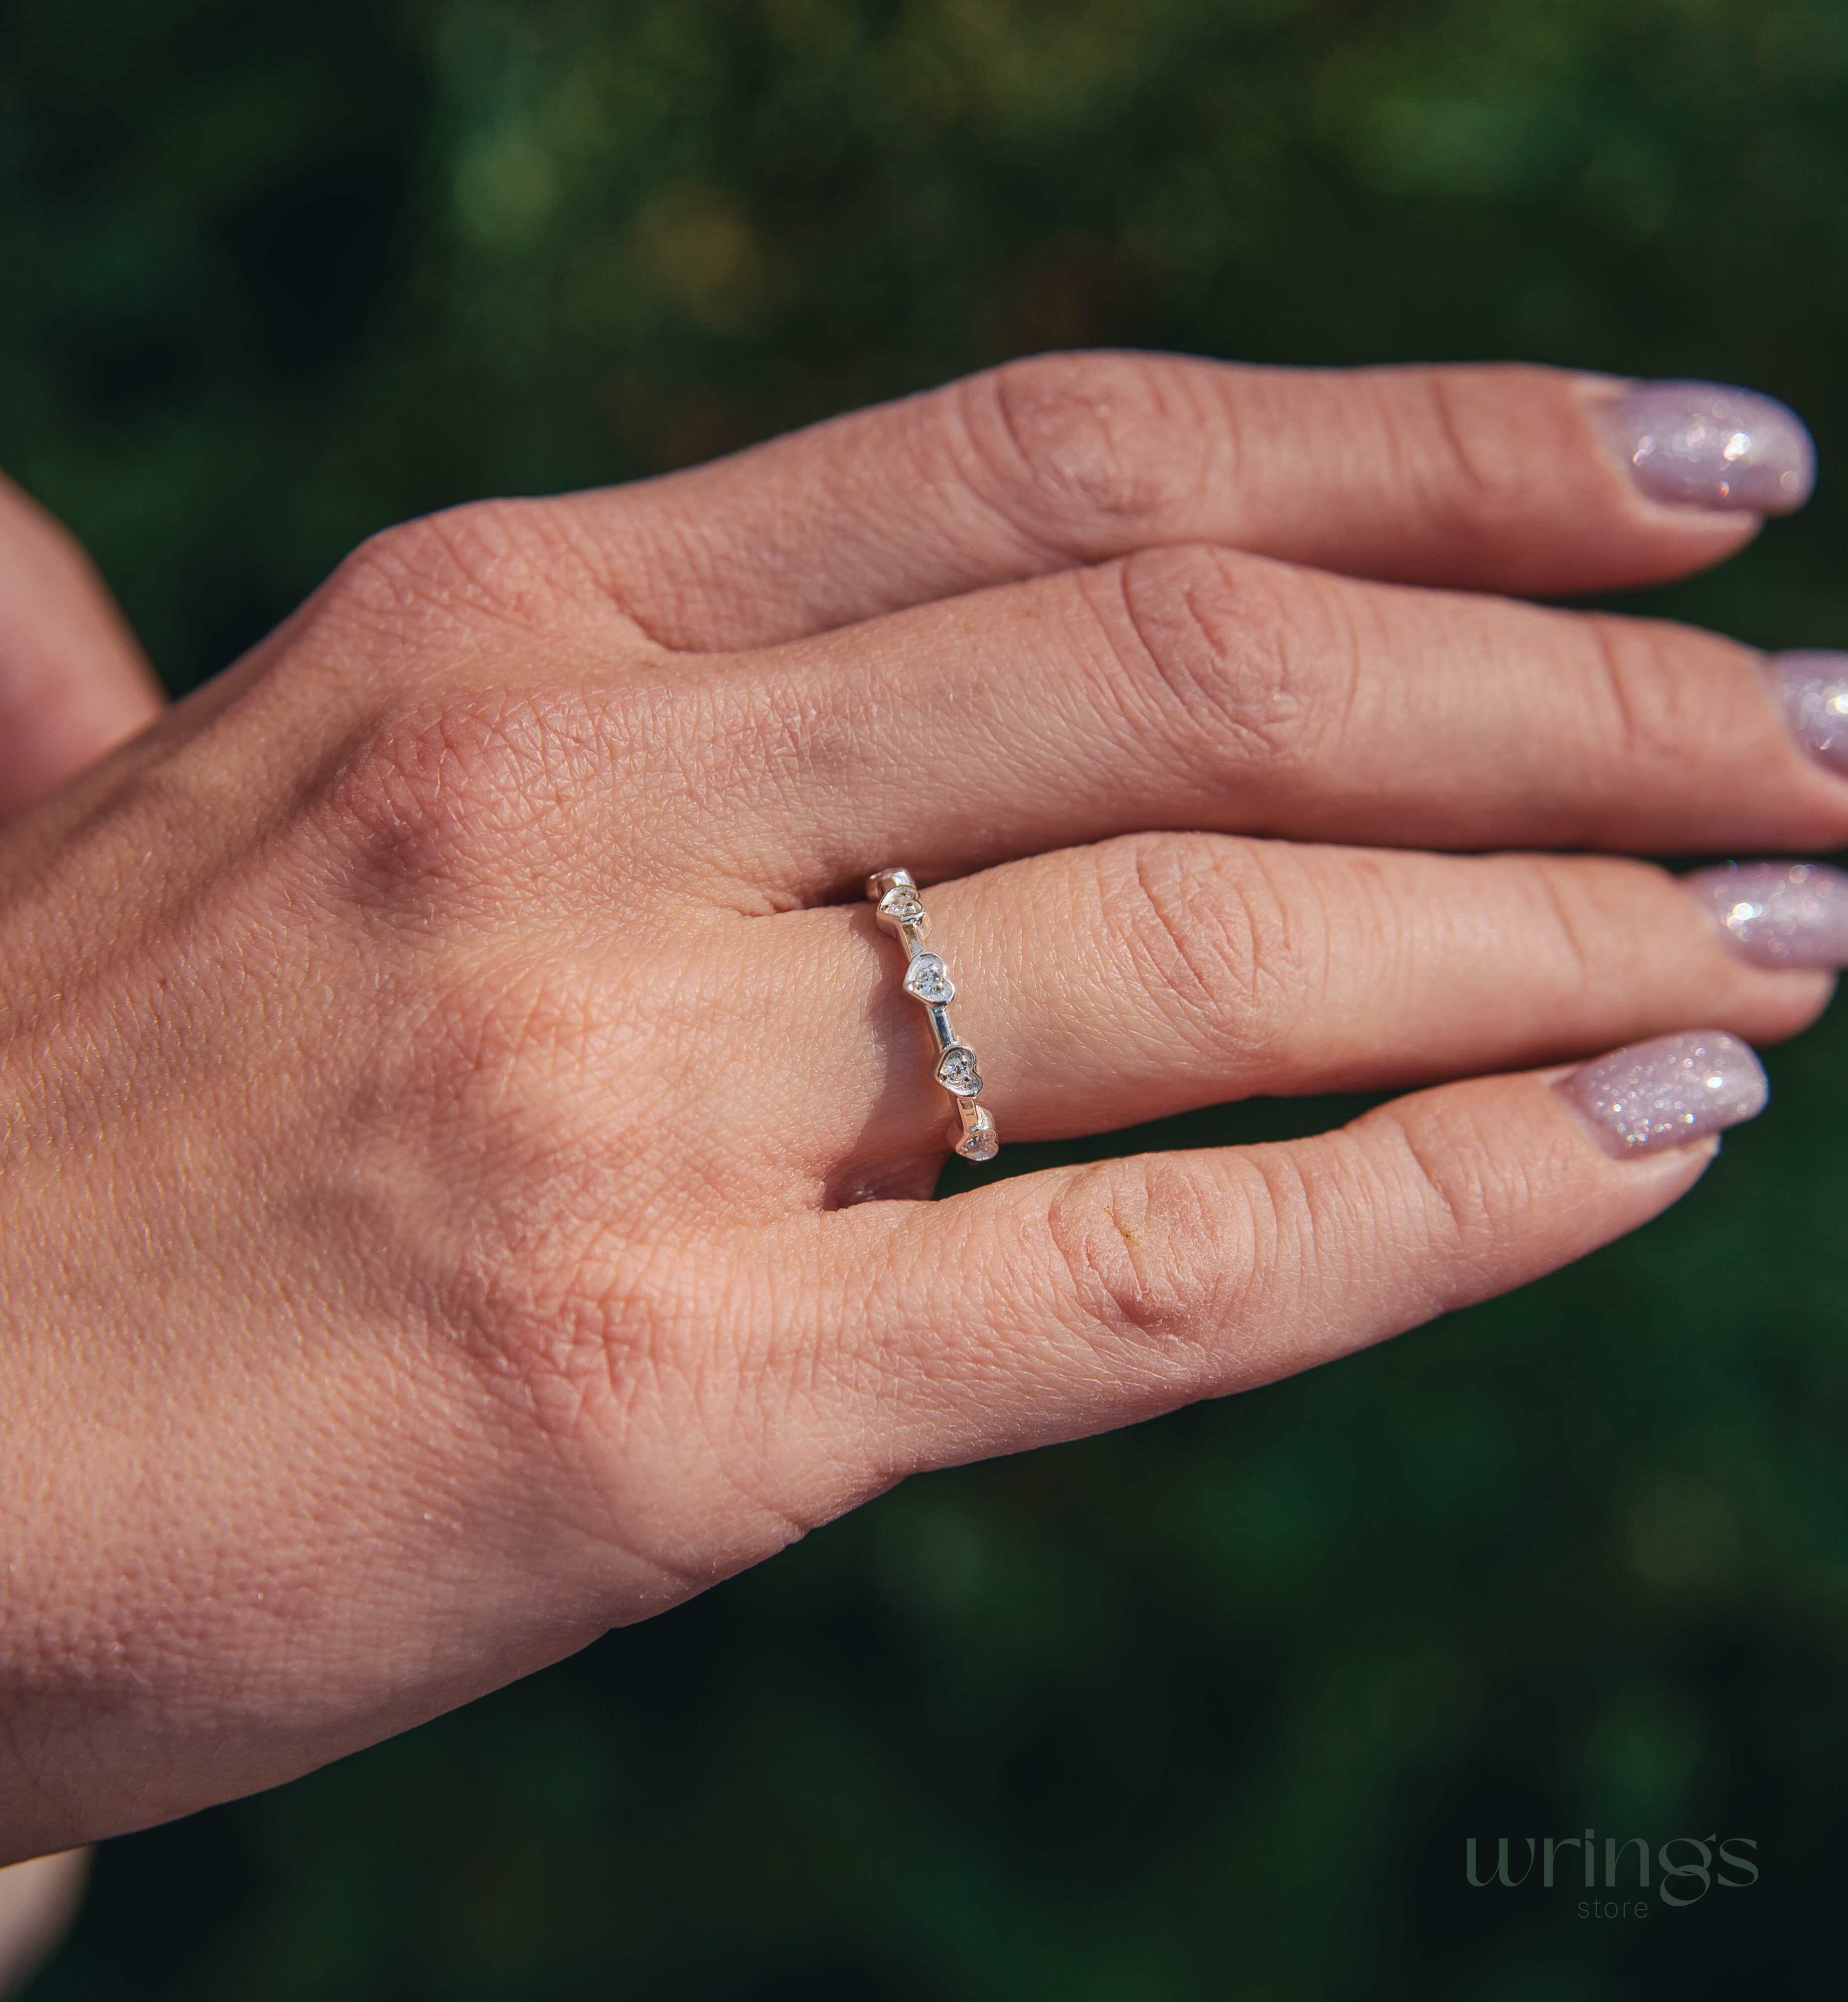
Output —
(73, 684)
(467, 1146)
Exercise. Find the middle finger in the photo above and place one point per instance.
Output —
(1191, 687)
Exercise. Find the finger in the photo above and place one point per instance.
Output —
(1157, 973)
(1061, 1303)
(38, 1900)
(73, 681)
(1500, 478)
(1189, 687)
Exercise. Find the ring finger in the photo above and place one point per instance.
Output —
(1154, 973)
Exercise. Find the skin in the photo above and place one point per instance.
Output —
(73, 684)
(465, 1145)
(37, 1902)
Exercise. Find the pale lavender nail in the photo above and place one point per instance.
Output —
(1812, 690)
(1701, 445)
(1779, 913)
(1667, 1092)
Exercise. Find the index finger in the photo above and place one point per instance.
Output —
(1511, 478)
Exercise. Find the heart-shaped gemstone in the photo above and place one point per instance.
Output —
(956, 1072)
(981, 1142)
(929, 981)
(902, 906)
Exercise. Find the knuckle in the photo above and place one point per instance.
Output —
(507, 563)
(1475, 477)
(1458, 441)
(1595, 910)
(1078, 449)
(1141, 1261)
(1562, 900)
(1654, 708)
(1236, 661)
(1464, 1198)
(1207, 925)
(457, 796)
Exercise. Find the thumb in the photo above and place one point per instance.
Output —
(73, 681)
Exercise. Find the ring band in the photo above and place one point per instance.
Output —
(893, 894)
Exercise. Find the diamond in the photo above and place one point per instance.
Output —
(956, 1072)
(902, 906)
(927, 979)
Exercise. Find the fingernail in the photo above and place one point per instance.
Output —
(1701, 445)
(1812, 690)
(1667, 1092)
(1779, 913)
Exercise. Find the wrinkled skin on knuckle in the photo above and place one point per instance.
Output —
(1152, 1274)
(1425, 1192)
(1460, 442)
(1583, 909)
(1226, 656)
(1204, 928)
(450, 806)
(1466, 1195)
(470, 575)
(1655, 706)
(1080, 452)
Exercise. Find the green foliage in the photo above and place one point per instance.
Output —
(1202, 1710)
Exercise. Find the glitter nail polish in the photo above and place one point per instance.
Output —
(1793, 914)
(1811, 688)
(1666, 1092)
(1703, 445)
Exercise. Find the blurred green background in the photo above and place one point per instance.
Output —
(1206, 1709)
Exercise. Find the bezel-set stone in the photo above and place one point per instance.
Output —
(927, 979)
(956, 1072)
(979, 1143)
(902, 906)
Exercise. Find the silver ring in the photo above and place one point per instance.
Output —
(893, 894)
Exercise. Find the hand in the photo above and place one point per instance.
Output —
(464, 1137)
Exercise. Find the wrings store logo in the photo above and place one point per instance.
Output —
(1679, 1872)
